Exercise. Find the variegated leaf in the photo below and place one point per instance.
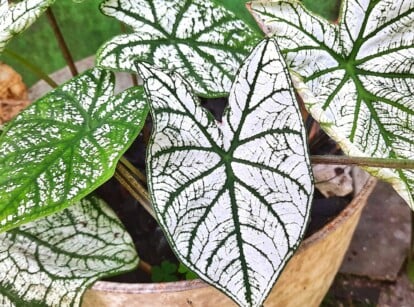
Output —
(232, 197)
(360, 75)
(199, 39)
(52, 261)
(17, 17)
(65, 145)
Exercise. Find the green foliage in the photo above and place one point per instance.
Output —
(65, 145)
(165, 272)
(189, 275)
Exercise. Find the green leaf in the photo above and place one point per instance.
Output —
(65, 145)
(189, 275)
(359, 74)
(165, 272)
(232, 197)
(17, 17)
(199, 39)
(52, 261)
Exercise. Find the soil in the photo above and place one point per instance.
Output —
(149, 240)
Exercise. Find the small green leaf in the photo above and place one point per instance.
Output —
(17, 17)
(65, 145)
(165, 272)
(52, 261)
(199, 39)
(359, 74)
(189, 275)
(233, 198)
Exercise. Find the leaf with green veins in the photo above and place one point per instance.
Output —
(65, 145)
(233, 198)
(359, 74)
(52, 261)
(17, 17)
(199, 39)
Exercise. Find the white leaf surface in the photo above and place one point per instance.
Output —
(201, 40)
(232, 197)
(357, 76)
(17, 17)
(52, 261)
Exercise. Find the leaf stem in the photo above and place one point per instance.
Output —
(33, 68)
(129, 182)
(61, 42)
(145, 266)
(133, 169)
(364, 161)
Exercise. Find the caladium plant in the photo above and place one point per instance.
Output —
(232, 196)
(359, 73)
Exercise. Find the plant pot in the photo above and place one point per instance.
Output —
(304, 281)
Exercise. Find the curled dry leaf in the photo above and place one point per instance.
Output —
(333, 180)
(13, 93)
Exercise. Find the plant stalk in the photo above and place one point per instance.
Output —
(61, 42)
(33, 68)
(145, 266)
(133, 186)
(133, 170)
(364, 161)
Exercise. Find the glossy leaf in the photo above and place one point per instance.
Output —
(65, 145)
(17, 17)
(360, 75)
(52, 261)
(232, 197)
(199, 39)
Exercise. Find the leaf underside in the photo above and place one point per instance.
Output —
(65, 145)
(201, 40)
(17, 17)
(360, 75)
(52, 261)
(232, 197)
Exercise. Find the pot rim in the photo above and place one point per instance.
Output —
(352, 208)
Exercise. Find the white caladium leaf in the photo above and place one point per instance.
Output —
(65, 145)
(359, 74)
(199, 39)
(52, 261)
(17, 17)
(232, 197)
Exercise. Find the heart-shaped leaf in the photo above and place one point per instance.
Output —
(65, 145)
(360, 73)
(199, 39)
(52, 261)
(232, 197)
(17, 17)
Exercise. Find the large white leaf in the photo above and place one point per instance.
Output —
(65, 145)
(232, 197)
(17, 17)
(359, 74)
(199, 39)
(52, 261)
